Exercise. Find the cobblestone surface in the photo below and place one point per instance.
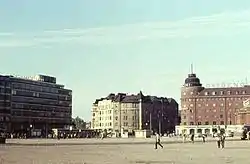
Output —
(236, 152)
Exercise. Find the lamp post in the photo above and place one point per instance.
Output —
(160, 118)
(31, 129)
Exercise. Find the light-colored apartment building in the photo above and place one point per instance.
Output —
(111, 114)
(118, 112)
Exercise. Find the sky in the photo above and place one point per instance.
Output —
(98, 47)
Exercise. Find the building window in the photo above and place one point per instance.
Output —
(206, 104)
(229, 92)
(199, 123)
(184, 93)
(213, 93)
(191, 93)
(184, 117)
(222, 122)
(214, 122)
(184, 123)
(236, 92)
(243, 92)
(206, 93)
(222, 92)
(229, 104)
(191, 123)
(221, 116)
(206, 123)
(191, 105)
(13, 92)
(230, 122)
(214, 110)
(199, 105)
(116, 118)
(214, 105)
(221, 104)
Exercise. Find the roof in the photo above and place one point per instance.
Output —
(134, 98)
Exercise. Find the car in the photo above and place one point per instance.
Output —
(230, 134)
(198, 135)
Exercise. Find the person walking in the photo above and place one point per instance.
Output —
(218, 139)
(158, 141)
(203, 138)
(192, 137)
(223, 138)
(184, 137)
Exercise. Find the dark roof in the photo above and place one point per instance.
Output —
(192, 80)
(125, 98)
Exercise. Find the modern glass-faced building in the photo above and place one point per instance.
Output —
(37, 104)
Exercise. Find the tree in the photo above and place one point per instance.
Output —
(79, 123)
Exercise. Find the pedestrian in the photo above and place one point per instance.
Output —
(218, 139)
(223, 138)
(158, 140)
(192, 137)
(203, 138)
(184, 137)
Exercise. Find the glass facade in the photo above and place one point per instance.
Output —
(36, 104)
(5, 104)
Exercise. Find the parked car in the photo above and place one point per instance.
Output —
(230, 134)
(198, 135)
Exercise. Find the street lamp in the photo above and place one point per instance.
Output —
(161, 118)
(31, 129)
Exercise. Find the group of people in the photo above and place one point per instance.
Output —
(220, 135)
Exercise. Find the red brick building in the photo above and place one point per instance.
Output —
(243, 114)
(210, 107)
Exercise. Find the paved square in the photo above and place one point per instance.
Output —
(236, 152)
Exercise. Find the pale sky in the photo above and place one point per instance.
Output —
(96, 47)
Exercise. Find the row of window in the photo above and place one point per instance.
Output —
(5, 90)
(207, 110)
(218, 93)
(40, 95)
(214, 105)
(212, 99)
(4, 83)
(124, 105)
(4, 104)
(33, 100)
(116, 124)
(221, 116)
(39, 114)
(4, 118)
(39, 107)
(208, 123)
(38, 88)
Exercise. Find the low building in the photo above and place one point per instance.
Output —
(123, 112)
(34, 104)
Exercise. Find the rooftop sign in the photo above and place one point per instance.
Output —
(227, 85)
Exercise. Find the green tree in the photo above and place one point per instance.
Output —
(79, 123)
